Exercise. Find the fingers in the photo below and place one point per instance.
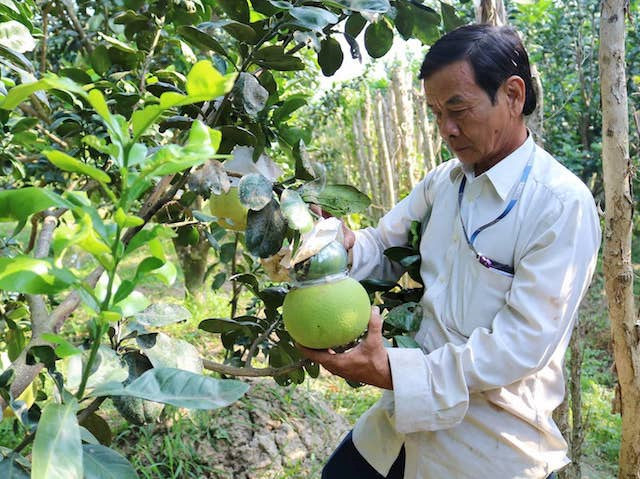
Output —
(349, 237)
(375, 323)
(315, 355)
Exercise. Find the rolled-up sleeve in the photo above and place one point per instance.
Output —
(552, 274)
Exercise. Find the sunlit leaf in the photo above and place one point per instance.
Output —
(101, 462)
(179, 388)
(57, 450)
(68, 163)
(24, 274)
(18, 205)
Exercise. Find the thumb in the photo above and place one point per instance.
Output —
(375, 323)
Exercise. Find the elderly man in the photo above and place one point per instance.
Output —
(508, 250)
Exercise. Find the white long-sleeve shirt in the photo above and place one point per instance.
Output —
(476, 399)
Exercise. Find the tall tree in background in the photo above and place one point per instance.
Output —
(618, 272)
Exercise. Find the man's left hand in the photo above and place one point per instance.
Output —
(367, 363)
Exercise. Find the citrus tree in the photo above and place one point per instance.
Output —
(120, 119)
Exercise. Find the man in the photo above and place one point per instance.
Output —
(508, 251)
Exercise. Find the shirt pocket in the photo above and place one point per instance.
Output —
(483, 294)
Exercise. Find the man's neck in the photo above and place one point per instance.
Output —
(517, 142)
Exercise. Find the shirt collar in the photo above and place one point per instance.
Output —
(504, 174)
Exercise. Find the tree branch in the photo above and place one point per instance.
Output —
(257, 342)
(68, 5)
(149, 57)
(252, 372)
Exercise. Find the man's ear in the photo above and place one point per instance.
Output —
(515, 92)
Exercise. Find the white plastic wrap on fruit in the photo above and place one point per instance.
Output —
(324, 232)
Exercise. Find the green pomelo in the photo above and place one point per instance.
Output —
(231, 212)
(331, 259)
(327, 315)
(135, 410)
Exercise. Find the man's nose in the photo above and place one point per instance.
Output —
(449, 128)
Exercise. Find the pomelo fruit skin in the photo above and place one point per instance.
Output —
(326, 315)
(231, 212)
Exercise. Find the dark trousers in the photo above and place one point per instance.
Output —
(347, 463)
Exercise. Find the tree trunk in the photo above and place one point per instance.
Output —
(491, 12)
(561, 418)
(390, 127)
(426, 134)
(618, 272)
(376, 191)
(365, 184)
(383, 155)
(575, 389)
(401, 87)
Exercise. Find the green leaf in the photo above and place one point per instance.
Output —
(266, 230)
(106, 368)
(143, 119)
(313, 18)
(406, 342)
(57, 450)
(449, 18)
(162, 314)
(406, 317)
(255, 191)
(236, 9)
(240, 31)
(16, 36)
(273, 57)
(99, 429)
(368, 6)
(296, 211)
(97, 101)
(204, 83)
(101, 462)
(249, 95)
(117, 44)
(24, 274)
(201, 39)
(163, 351)
(330, 56)
(99, 59)
(291, 104)
(354, 25)
(64, 348)
(11, 468)
(68, 163)
(378, 39)
(425, 24)
(339, 200)
(223, 325)
(17, 58)
(178, 388)
(18, 205)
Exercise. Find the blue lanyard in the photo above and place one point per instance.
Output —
(487, 262)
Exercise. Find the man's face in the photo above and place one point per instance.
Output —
(478, 132)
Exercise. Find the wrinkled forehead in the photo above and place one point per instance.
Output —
(452, 85)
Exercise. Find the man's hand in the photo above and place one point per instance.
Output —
(367, 363)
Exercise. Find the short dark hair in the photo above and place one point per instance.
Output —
(494, 53)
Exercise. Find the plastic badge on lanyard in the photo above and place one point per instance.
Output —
(485, 261)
